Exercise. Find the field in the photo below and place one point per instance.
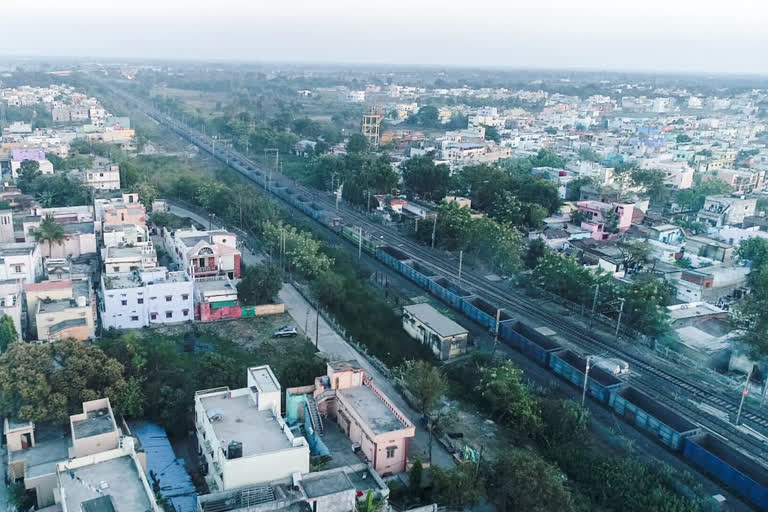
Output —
(194, 101)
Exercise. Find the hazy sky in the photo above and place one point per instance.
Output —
(653, 35)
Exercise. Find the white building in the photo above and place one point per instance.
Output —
(137, 299)
(10, 302)
(20, 261)
(125, 234)
(242, 435)
(105, 177)
(204, 253)
(122, 259)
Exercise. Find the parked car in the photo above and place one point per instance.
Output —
(286, 331)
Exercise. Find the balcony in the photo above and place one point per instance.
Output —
(206, 271)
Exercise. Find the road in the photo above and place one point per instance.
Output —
(332, 344)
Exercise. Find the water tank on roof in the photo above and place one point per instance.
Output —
(81, 301)
(234, 450)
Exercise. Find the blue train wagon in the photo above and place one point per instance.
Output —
(418, 273)
(726, 464)
(483, 312)
(448, 291)
(527, 340)
(647, 414)
(392, 257)
(570, 366)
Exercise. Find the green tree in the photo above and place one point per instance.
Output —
(8, 334)
(508, 398)
(755, 251)
(692, 199)
(589, 155)
(562, 422)
(357, 143)
(633, 252)
(427, 386)
(50, 232)
(752, 313)
(521, 480)
(492, 134)
(481, 183)
(536, 249)
(370, 504)
(147, 194)
(645, 307)
(425, 179)
(456, 488)
(260, 284)
(29, 171)
(682, 138)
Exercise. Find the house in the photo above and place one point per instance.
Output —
(116, 235)
(706, 247)
(11, 297)
(710, 283)
(19, 155)
(7, 233)
(442, 335)
(242, 436)
(125, 209)
(363, 412)
(556, 239)
(20, 260)
(131, 300)
(741, 181)
(61, 309)
(126, 258)
(35, 451)
(204, 253)
(333, 490)
(605, 220)
(79, 238)
(666, 242)
(104, 175)
(216, 299)
(724, 210)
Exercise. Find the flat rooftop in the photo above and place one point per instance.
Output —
(97, 422)
(124, 252)
(435, 320)
(264, 379)
(240, 420)
(372, 409)
(324, 485)
(692, 310)
(214, 285)
(116, 478)
(51, 447)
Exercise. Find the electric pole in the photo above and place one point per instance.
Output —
(744, 394)
(618, 321)
(586, 379)
(360, 244)
(434, 230)
(594, 304)
(461, 258)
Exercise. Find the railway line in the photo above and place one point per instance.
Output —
(692, 398)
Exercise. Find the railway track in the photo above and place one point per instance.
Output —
(663, 384)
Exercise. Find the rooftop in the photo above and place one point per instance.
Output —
(16, 248)
(96, 487)
(97, 422)
(326, 484)
(372, 409)
(265, 380)
(351, 364)
(435, 320)
(124, 252)
(692, 310)
(240, 420)
(51, 447)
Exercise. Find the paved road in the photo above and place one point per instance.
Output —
(330, 342)
(333, 344)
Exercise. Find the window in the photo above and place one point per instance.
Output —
(391, 451)
(184, 296)
(169, 314)
(116, 269)
(153, 316)
(18, 269)
(168, 298)
(185, 312)
(140, 300)
(124, 302)
(135, 318)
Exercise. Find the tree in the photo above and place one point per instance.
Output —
(456, 488)
(260, 284)
(589, 155)
(536, 249)
(682, 138)
(755, 251)
(425, 179)
(427, 386)
(633, 252)
(752, 313)
(521, 480)
(645, 307)
(370, 504)
(357, 143)
(563, 421)
(28, 172)
(51, 232)
(8, 334)
(508, 398)
(692, 199)
(491, 133)
(147, 194)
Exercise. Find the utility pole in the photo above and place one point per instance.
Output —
(317, 325)
(586, 379)
(618, 321)
(360, 244)
(594, 304)
(496, 333)
(765, 390)
(744, 394)
(434, 230)
(461, 258)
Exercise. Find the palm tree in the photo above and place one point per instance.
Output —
(370, 505)
(50, 231)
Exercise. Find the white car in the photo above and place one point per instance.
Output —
(286, 331)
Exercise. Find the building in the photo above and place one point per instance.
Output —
(332, 490)
(21, 261)
(36, 155)
(742, 181)
(363, 412)
(127, 258)
(442, 335)
(723, 210)
(710, 283)
(35, 451)
(242, 435)
(125, 209)
(7, 233)
(204, 253)
(79, 239)
(605, 220)
(104, 175)
(61, 309)
(137, 299)
(116, 235)
(216, 299)
(11, 297)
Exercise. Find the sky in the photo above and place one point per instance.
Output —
(653, 35)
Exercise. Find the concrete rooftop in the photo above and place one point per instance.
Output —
(435, 320)
(51, 447)
(372, 409)
(98, 422)
(325, 484)
(264, 379)
(117, 478)
(241, 421)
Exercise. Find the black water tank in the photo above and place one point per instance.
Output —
(234, 450)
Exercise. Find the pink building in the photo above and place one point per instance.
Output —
(205, 253)
(599, 221)
(123, 210)
(363, 412)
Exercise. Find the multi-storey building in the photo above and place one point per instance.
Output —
(125, 209)
(138, 299)
(62, 309)
(242, 435)
(126, 258)
(205, 253)
(22, 261)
